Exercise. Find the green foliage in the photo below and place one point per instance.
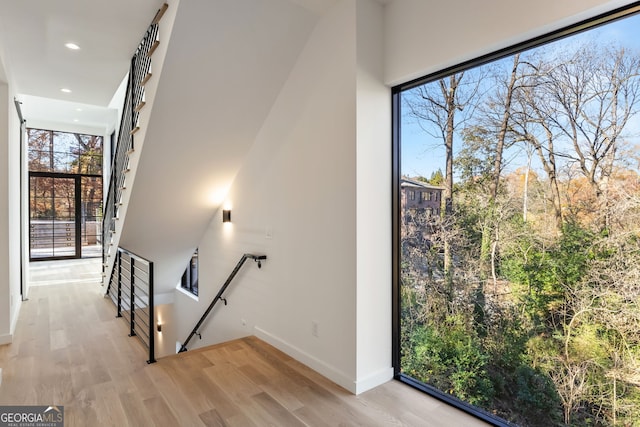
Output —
(437, 178)
(447, 357)
(572, 253)
(559, 307)
(536, 396)
(589, 342)
(547, 273)
(475, 161)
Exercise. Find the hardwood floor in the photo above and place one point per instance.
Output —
(64, 272)
(70, 350)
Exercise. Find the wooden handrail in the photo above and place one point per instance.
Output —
(159, 14)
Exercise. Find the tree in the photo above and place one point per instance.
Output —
(482, 158)
(604, 326)
(497, 116)
(592, 94)
(436, 107)
(437, 178)
(531, 124)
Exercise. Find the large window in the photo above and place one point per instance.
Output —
(65, 194)
(64, 152)
(518, 283)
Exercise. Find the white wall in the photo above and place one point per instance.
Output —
(10, 298)
(165, 340)
(5, 299)
(68, 127)
(424, 37)
(14, 211)
(294, 200)
(226, 63)
(373, 178)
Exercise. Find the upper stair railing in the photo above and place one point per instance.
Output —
(139, 75)
(218, 297)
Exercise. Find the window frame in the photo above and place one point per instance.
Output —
(187, 282)
(396, 171)
(53, 172)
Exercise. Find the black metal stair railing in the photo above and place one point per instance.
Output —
(131, 290)
(139, 74)
(130, 283)
(218, 297)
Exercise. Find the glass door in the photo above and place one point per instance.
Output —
(91, 216)
(53, 222)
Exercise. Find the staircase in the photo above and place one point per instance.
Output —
(215, 90)
(121, 176)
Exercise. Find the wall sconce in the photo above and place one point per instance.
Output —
(226, 216)
(159, 327)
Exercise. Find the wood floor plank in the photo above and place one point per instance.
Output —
(134, 410)
(143, 385)
(178, 403)
(228, 379)
(186, 381)
(109, 407)
(229, 410)
(160, 412)
(212, 419)
(281, 414)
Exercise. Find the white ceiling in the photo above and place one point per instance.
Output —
(33, 34)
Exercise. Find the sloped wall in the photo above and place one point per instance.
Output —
(122, 237)
(226, 62)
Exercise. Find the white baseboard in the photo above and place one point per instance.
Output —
(317, 365)
(6, 339)
(374, 380)
(16, 314)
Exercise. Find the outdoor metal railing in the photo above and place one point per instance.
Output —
(131, 290)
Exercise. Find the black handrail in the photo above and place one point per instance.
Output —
(256, 258)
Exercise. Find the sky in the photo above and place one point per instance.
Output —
(422, 154)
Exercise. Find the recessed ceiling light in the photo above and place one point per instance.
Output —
(76, 120)
(72, 46)
(65, 90)
(78, 109)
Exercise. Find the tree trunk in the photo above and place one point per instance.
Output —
(450, 98)
(502, 132)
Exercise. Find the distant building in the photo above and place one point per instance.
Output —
(419, 203)
(418, 195)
